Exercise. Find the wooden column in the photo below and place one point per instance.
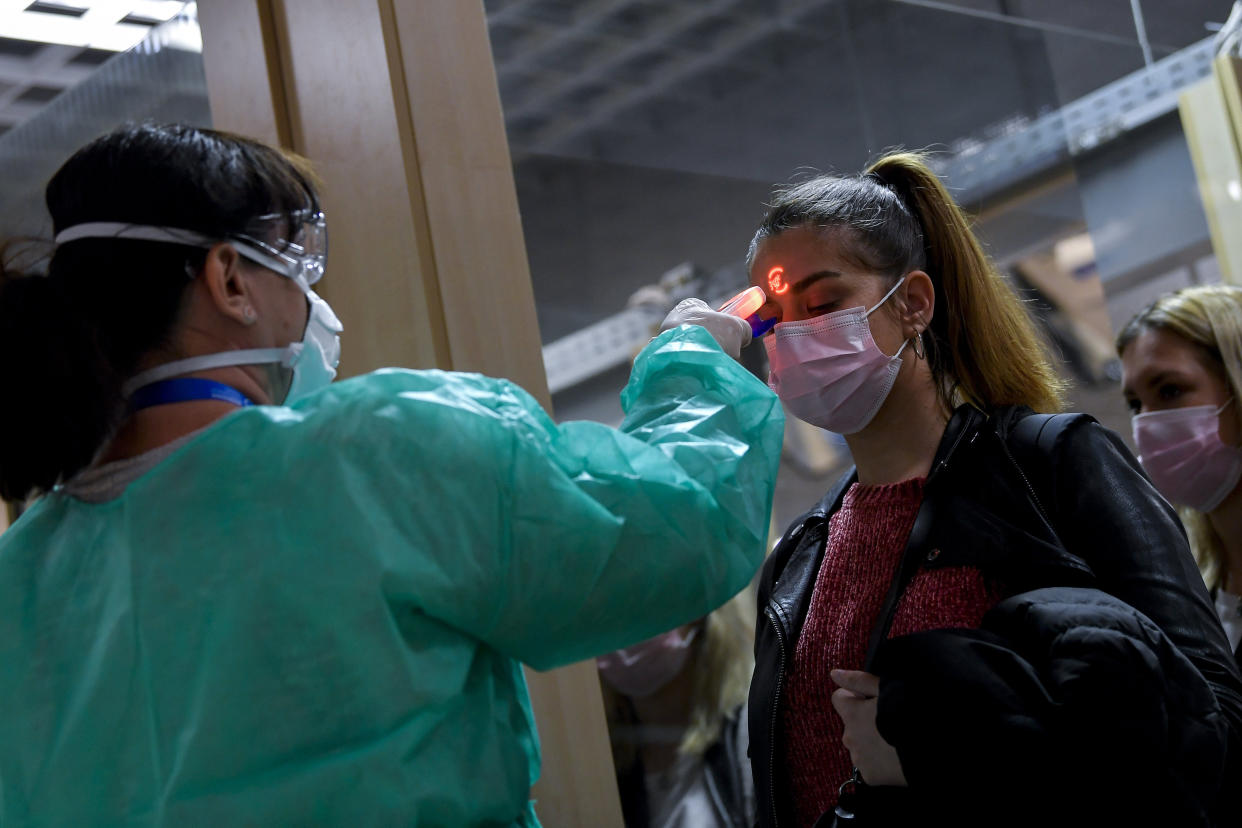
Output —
(396, 104)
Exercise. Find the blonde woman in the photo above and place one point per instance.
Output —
(676, 716)
(1182, 360)
(994, 619)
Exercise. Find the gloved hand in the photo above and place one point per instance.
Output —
(731, 332)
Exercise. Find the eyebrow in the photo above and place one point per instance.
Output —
(1155, 379)
(818, 276)
(1165, 376)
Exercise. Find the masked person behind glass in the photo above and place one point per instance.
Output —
(677, 721)
(1182, 360)
(994, 619)
(249, 596)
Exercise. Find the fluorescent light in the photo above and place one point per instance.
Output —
(98, 28)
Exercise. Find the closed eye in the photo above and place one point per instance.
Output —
(1169, 392)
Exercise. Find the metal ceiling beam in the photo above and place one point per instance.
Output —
(1028, 23)
(585, 24)
(747, 31)
(1080, 126)
(681, 18)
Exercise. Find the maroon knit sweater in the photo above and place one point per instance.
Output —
(865, 540)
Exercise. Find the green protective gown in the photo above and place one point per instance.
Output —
(316, 615)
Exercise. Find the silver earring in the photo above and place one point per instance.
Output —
(919, 350)
(250, 316)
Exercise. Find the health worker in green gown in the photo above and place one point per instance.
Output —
(248, 595)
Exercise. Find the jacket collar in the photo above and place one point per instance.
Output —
(964, 423)
(802, 545)
(963, 426)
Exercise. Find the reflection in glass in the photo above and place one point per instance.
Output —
(646, 138)
(677, 719)
(160, 79)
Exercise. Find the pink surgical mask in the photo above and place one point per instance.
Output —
(1182, 451)
(828, 370)
(641, 670)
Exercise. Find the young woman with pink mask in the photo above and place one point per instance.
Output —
(994, 619)
(1182, 360)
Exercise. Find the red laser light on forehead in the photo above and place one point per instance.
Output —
(776, 280)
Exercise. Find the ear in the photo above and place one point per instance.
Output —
(228, 284)
(920, 303)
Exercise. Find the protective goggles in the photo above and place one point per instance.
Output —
(301, 258)
(306, 253)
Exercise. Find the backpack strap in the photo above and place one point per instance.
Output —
(1030, 448)
(1039, 432)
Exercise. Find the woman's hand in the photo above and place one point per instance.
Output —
(855, 702)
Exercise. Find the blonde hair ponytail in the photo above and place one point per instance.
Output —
(985, 341)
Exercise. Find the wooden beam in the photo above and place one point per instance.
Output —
(243, 62)
(396, 104)
(463, 163)
(440, 52)
(347, 117)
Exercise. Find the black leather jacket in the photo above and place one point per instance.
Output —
(984, 505)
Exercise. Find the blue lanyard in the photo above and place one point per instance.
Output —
(184, 390)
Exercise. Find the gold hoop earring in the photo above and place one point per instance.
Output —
(919, 350)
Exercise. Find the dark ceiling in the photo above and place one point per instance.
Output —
(646, 133)
(757, 88)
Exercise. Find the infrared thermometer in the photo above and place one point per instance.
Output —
(746, 306)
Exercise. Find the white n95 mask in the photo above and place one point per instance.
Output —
(828, 370)
(313, 360)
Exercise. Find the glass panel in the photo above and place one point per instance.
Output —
(647, 136)
(159, 79)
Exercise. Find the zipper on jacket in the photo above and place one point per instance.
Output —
(948, 455)
(776, 699)
(1039, 507)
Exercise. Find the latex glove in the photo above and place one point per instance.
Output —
(731, 332)
(855, 701)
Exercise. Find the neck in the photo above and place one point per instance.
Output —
(150, 428)
(901, 442)
(1226, 521)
